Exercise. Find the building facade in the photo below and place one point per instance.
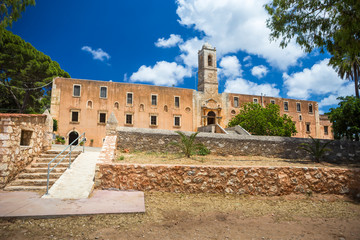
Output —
(85, 105)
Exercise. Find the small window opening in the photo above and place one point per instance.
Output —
(326, 130)
(75, 116)
(25, 137)
(89, 104)
(102, 118)
(286, 106)
(298, 107)
(153, 120)
(236, 102)
(154, 100)
(177, 102)
(76, 90)
(103, 92)
(307, 127)
(116, 105)
(177, 121)
(210, 63)
(129, 119)
(129, 98)
(310, 108)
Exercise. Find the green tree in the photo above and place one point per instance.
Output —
(10, 10)
(316, 149)
(264, 121)
(25, 76)
(346, 118)
(333, 25)
(187, 144)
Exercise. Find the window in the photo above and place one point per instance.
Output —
(165, 108)
(103, 92)
(176, 121)
(233, 112)
(300, 117)
(129, 98)
(89, 104)
(102, 117)
(272, 101)
(286, 106)
(74, 116)
(255, 100)
(76, 90)
(307, 127)
(25, 137)
(153, 120)
(310, 108)
(116, 105)
(129, 119)
(153, 100)
(177, 102)
(298, 107)
(326, 130)
(142, 108)
(210, 61)
(236, 102)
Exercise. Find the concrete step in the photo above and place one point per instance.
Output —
(45, 165)
(58, 169)
(54, 155)
(25, 188)
(39, 175)
(47, 160)
(31, 182)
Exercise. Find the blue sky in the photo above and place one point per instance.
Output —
(156, 42)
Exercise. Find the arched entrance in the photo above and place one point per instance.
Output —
(211, 118)
(72, 136)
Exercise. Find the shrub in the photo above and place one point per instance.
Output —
(55, 125)
(316, 149)
(203, 150)
(121, 158)
(187, 144)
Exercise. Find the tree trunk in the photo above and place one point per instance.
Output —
(356, 78)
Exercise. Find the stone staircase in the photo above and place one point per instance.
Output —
(34, 176)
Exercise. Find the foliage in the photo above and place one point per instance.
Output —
(121, 158)
(346, 118)
(264, 121)
(187, 144)
(333, 25)
(60, 139)
(10, 10)
(25, 76)
(316, 149)
(55, 125)
(203, 151)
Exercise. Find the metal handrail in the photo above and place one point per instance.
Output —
(69, 153)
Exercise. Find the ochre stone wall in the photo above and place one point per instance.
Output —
(14, 157)
(228, 179)
(236, 145)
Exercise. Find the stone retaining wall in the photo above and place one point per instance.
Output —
(22, 137)
(236, 145)
(228, 179)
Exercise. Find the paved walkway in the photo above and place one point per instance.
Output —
(76, 182)
(30, 204)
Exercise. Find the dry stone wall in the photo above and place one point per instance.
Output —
(22, 137)
(236, 145)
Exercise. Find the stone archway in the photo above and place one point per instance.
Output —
(211, 118)
(72, 136)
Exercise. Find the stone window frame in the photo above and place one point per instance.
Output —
(116, 105)
(105, 92)
(300, 117)
(237, 102)
(233, 112)
(87, 104)
(99, 114)
(152, 100)
(298, 107)
(132, 119)
(272, 101)
(152, 115)
(177, 105)
(326, 130)
(256, 100)
(127, 98)
(311, 107)
(286, 106)
(78, 85)
(174, 122)
(71, 116)
(308, 128)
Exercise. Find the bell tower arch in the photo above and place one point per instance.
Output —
(207, 70)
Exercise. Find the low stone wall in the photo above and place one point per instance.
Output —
(269, 181)
(22, 137)
(236, 145)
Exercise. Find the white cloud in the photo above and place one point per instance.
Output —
(247, 59)
(259, 71)
(233, 25)
(172, 41)
(347, 89)
(243, 86)
(320, 79)
(190, 50)
(98, 54)
(230, 67)
(163, 74)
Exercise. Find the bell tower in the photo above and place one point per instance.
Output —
(207, 71)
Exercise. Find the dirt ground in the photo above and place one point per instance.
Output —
(206, 216)
(170, 158)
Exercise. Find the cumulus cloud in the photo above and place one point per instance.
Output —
(162, 73)
(233, 25)
(243, 86)
(319, 79)
(247, 61)
(97, 54)
(172, 41)
(230, 67)
(189, 51)
(259, 71)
